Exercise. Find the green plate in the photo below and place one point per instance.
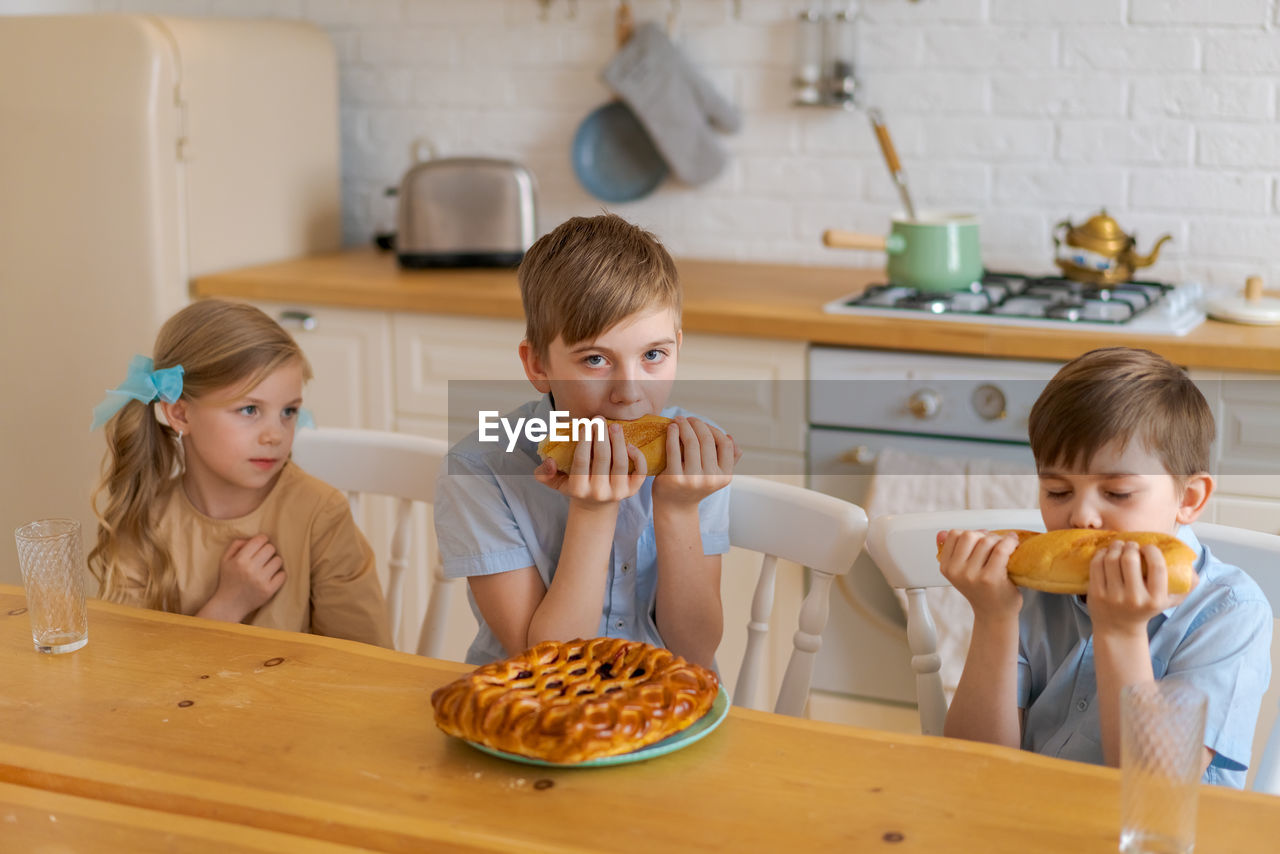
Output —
(705, 724)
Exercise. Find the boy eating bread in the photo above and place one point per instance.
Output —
(1121, 440)
(584, 542)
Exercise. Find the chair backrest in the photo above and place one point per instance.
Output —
(904, 547)
(796, 524)
(397, 465)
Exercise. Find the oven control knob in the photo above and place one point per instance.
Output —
(988, 401)
(924, 403)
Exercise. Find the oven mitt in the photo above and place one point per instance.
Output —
(675, 103)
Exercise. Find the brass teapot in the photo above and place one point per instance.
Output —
(1098, 252)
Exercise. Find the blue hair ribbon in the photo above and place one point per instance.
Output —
(142, 383)
(306, 419)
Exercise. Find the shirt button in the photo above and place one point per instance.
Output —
(1082, 705)
(620, 623)
(626, 567)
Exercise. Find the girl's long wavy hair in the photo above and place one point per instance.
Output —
(219, 345)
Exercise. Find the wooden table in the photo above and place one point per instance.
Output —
(170, 724)
(45, 822)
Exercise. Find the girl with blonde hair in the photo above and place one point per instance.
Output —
(205, 514)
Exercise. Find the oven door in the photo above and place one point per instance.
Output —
(864, 652)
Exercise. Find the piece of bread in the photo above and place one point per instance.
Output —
(648, 433)
(1058, 561)
(577, 700)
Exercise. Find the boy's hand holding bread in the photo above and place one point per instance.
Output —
(697, 458)
(700, 460)
(599, 471)
(976, 564)
(648, 434)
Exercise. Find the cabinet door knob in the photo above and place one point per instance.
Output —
(859, 456)
(304, 320)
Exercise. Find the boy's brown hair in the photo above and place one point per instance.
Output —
(588, 274)
(1117, 394)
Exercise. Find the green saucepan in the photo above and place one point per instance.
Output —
(934, 252)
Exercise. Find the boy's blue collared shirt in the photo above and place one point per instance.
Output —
(492, 515)
(1218, 639)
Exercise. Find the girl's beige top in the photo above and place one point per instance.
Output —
(331, 586)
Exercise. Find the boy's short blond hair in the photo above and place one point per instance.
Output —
(588, 274)
(1116, 394)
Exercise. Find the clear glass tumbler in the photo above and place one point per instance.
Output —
(1161, 749)
(53, 567)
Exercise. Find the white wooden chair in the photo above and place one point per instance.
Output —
(398, 465)
(904, 547)
(807, 527)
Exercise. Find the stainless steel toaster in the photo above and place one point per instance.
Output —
(465, 212)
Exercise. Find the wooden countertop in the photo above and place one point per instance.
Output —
(764, 300)
(172, 727)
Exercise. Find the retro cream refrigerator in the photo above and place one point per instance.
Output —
(137, 152)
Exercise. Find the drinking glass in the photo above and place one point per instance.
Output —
(1161, 750)
(53, 574)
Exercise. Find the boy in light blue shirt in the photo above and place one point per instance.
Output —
(1121, 440)
(600, 550)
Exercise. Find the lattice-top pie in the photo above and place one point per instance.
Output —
(578, 700)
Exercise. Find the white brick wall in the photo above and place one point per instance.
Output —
(1025, 111)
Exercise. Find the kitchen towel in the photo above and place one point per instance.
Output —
(914, 483)
(676, 104)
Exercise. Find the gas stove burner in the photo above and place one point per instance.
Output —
(1100, 310)
(943, 302)
(1051, 301)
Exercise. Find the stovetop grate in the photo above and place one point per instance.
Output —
(1014, 298)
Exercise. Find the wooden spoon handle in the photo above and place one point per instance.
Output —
(837, 239)
(623, 23)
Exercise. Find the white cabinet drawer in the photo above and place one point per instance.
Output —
(1249, 436)
(350, 355)
(752, 388)
(432, 350)
(1246, 452)
(1253, 485)
(1252, 513)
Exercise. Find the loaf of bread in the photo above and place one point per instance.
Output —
(1058, 561)
(567, 702)
(648, 433)
(1023, 536)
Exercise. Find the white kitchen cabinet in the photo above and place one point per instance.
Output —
(350, 355)
(474, 359)
(1246, 453)
(1257, 514)
(754, 389)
